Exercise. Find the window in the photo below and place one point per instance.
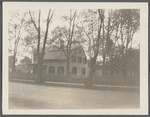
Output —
(44, 69)
(84, 60)
(79, 60)
(60, 70)
(73, 59)
(83, 71)
(74, 70)
(51, 70)
(79, 50)
(35, 56)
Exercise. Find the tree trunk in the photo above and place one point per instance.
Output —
(13, 65)
(40, 72)
(110, 68)
(124, 69)
(68, 73)
(103, 52)
(92, 72)
(123, 66)
(111, 65)
(103, 67)
(125, 61)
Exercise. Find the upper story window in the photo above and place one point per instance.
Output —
(79, 60)
(60, 70)
(84, 60)
(79, 51)
(73, 59)
(74, 70)
(51, 70)
(83, 71)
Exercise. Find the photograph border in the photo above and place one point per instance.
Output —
(143, 57)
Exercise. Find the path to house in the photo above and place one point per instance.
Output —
(29, 96)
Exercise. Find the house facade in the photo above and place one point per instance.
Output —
(55, 62)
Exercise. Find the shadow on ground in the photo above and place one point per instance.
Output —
(26, 103)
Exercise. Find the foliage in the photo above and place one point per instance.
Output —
(16, 29)
(25, 60)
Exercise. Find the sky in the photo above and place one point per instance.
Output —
(58, 21)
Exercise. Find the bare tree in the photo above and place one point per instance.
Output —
(15, 32)
(94, 20)
(68, 34)
(38, 29)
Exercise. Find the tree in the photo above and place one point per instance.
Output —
(126, 23)
(71, 21)
(94, 22)
(17, 26)
(11, 63)
(25, 60)
(25, 64)
(38, 29)
(66, 36)
(133, 62)
(107, 42)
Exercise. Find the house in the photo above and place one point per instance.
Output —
(55, 62)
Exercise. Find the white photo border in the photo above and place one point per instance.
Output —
(78, 5)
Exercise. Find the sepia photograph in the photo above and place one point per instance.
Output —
(75, 58)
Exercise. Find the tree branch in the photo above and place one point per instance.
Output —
(33, 21)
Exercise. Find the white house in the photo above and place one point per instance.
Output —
(55, 62)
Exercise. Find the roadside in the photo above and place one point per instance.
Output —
(76, 85)
(113, 81)
(48, 96)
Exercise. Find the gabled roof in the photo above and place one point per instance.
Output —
(54, 52)
(55, 55)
